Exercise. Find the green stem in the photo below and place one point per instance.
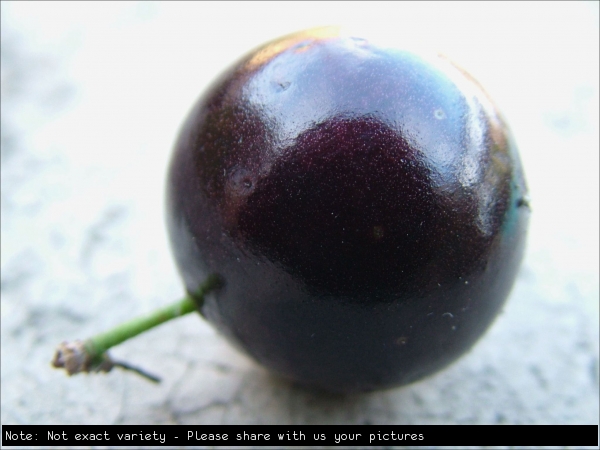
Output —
(102, 342)
(90, 355)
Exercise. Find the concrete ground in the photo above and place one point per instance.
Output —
(92, 98)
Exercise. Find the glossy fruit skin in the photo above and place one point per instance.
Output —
(365, 206)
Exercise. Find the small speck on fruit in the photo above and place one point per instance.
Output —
(402, 340)
(281, 86)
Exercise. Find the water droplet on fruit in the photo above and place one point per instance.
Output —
(439, 114)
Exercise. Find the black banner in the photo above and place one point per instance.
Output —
(301, 435)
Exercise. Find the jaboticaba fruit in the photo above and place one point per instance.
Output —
(364, 205)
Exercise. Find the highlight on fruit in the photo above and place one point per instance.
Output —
(351, 215)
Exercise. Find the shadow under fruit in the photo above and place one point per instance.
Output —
(365, 207)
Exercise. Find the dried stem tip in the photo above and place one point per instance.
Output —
(91, 355)
(73, 357)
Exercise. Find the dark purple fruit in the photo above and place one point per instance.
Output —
(364, 205)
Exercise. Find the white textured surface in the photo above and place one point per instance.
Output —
(92, 98)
